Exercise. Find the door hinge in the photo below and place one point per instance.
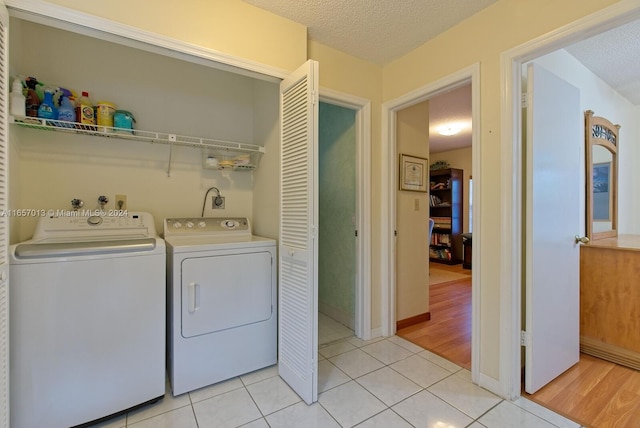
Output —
(523, 338)
(356, 233)
(313, 98)
(524, 100)
(395, 233)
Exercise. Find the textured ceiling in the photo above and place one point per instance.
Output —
(614, 56)
(375, 30)
(383, 30)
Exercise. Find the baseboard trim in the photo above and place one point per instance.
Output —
(416, 319)
(606, 351)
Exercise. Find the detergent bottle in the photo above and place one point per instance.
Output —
(84, 110)
(17, 104)
(47, 109)
(67, 112)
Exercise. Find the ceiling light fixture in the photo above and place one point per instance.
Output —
(449, 130)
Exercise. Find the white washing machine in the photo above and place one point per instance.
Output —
(88, 317)
(221, 301)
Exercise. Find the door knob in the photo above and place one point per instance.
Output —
(581, 239)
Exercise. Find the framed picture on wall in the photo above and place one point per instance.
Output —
(413, 173)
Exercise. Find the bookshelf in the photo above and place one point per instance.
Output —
(445, 208)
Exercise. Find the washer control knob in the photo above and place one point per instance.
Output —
(177, 225)
(189, 225)
(94, 220)
(229, 224)
(202, 224)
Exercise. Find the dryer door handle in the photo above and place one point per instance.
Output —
(194, 297)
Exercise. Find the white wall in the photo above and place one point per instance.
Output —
(49, 169)
(604, 101)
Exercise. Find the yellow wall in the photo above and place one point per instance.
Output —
(412, 224)
(236, 28)
(481, 39)
(229, 26)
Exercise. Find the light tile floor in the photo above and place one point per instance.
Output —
(330, 330)
(382, 383)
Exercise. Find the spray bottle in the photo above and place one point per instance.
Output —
(33, 101)
(47, 109)
(67, 112)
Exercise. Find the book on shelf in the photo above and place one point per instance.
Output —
(440, 239)
(442, 222)
(441, 253)
(435, 201)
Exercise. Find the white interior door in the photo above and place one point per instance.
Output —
(4, 226)
(554, 218)
(298, 280)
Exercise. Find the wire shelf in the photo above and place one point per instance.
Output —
(224, 149)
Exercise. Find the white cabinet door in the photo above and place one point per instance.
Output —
(298, 293)
(554, 218)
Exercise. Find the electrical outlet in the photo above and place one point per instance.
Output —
(217, 202)
(121, 202)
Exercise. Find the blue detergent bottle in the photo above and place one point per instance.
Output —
(66, 113)
(47, 109)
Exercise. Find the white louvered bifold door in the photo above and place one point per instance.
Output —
(298, 293)
(4, 226)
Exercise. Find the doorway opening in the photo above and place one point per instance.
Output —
(554, 44)
(447, 329)
(337, 228)
(344, 291)
(469, 76)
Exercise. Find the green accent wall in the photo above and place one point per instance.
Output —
(337, 211)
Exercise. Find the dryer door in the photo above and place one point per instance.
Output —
(225, 291)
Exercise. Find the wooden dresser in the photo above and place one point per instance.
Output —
(610, 299)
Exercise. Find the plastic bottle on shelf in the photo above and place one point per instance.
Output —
(17, 100)
(47, 109)
(67, 112)
(106, 110)
(32, 101)
(84, 110)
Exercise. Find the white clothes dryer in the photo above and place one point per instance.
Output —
(221, 301)
(87, 319)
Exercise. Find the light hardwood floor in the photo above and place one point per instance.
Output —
(448, 332)
(594, 392)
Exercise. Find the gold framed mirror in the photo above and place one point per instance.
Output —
(601, 154)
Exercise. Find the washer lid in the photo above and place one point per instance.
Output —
(72, 249)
